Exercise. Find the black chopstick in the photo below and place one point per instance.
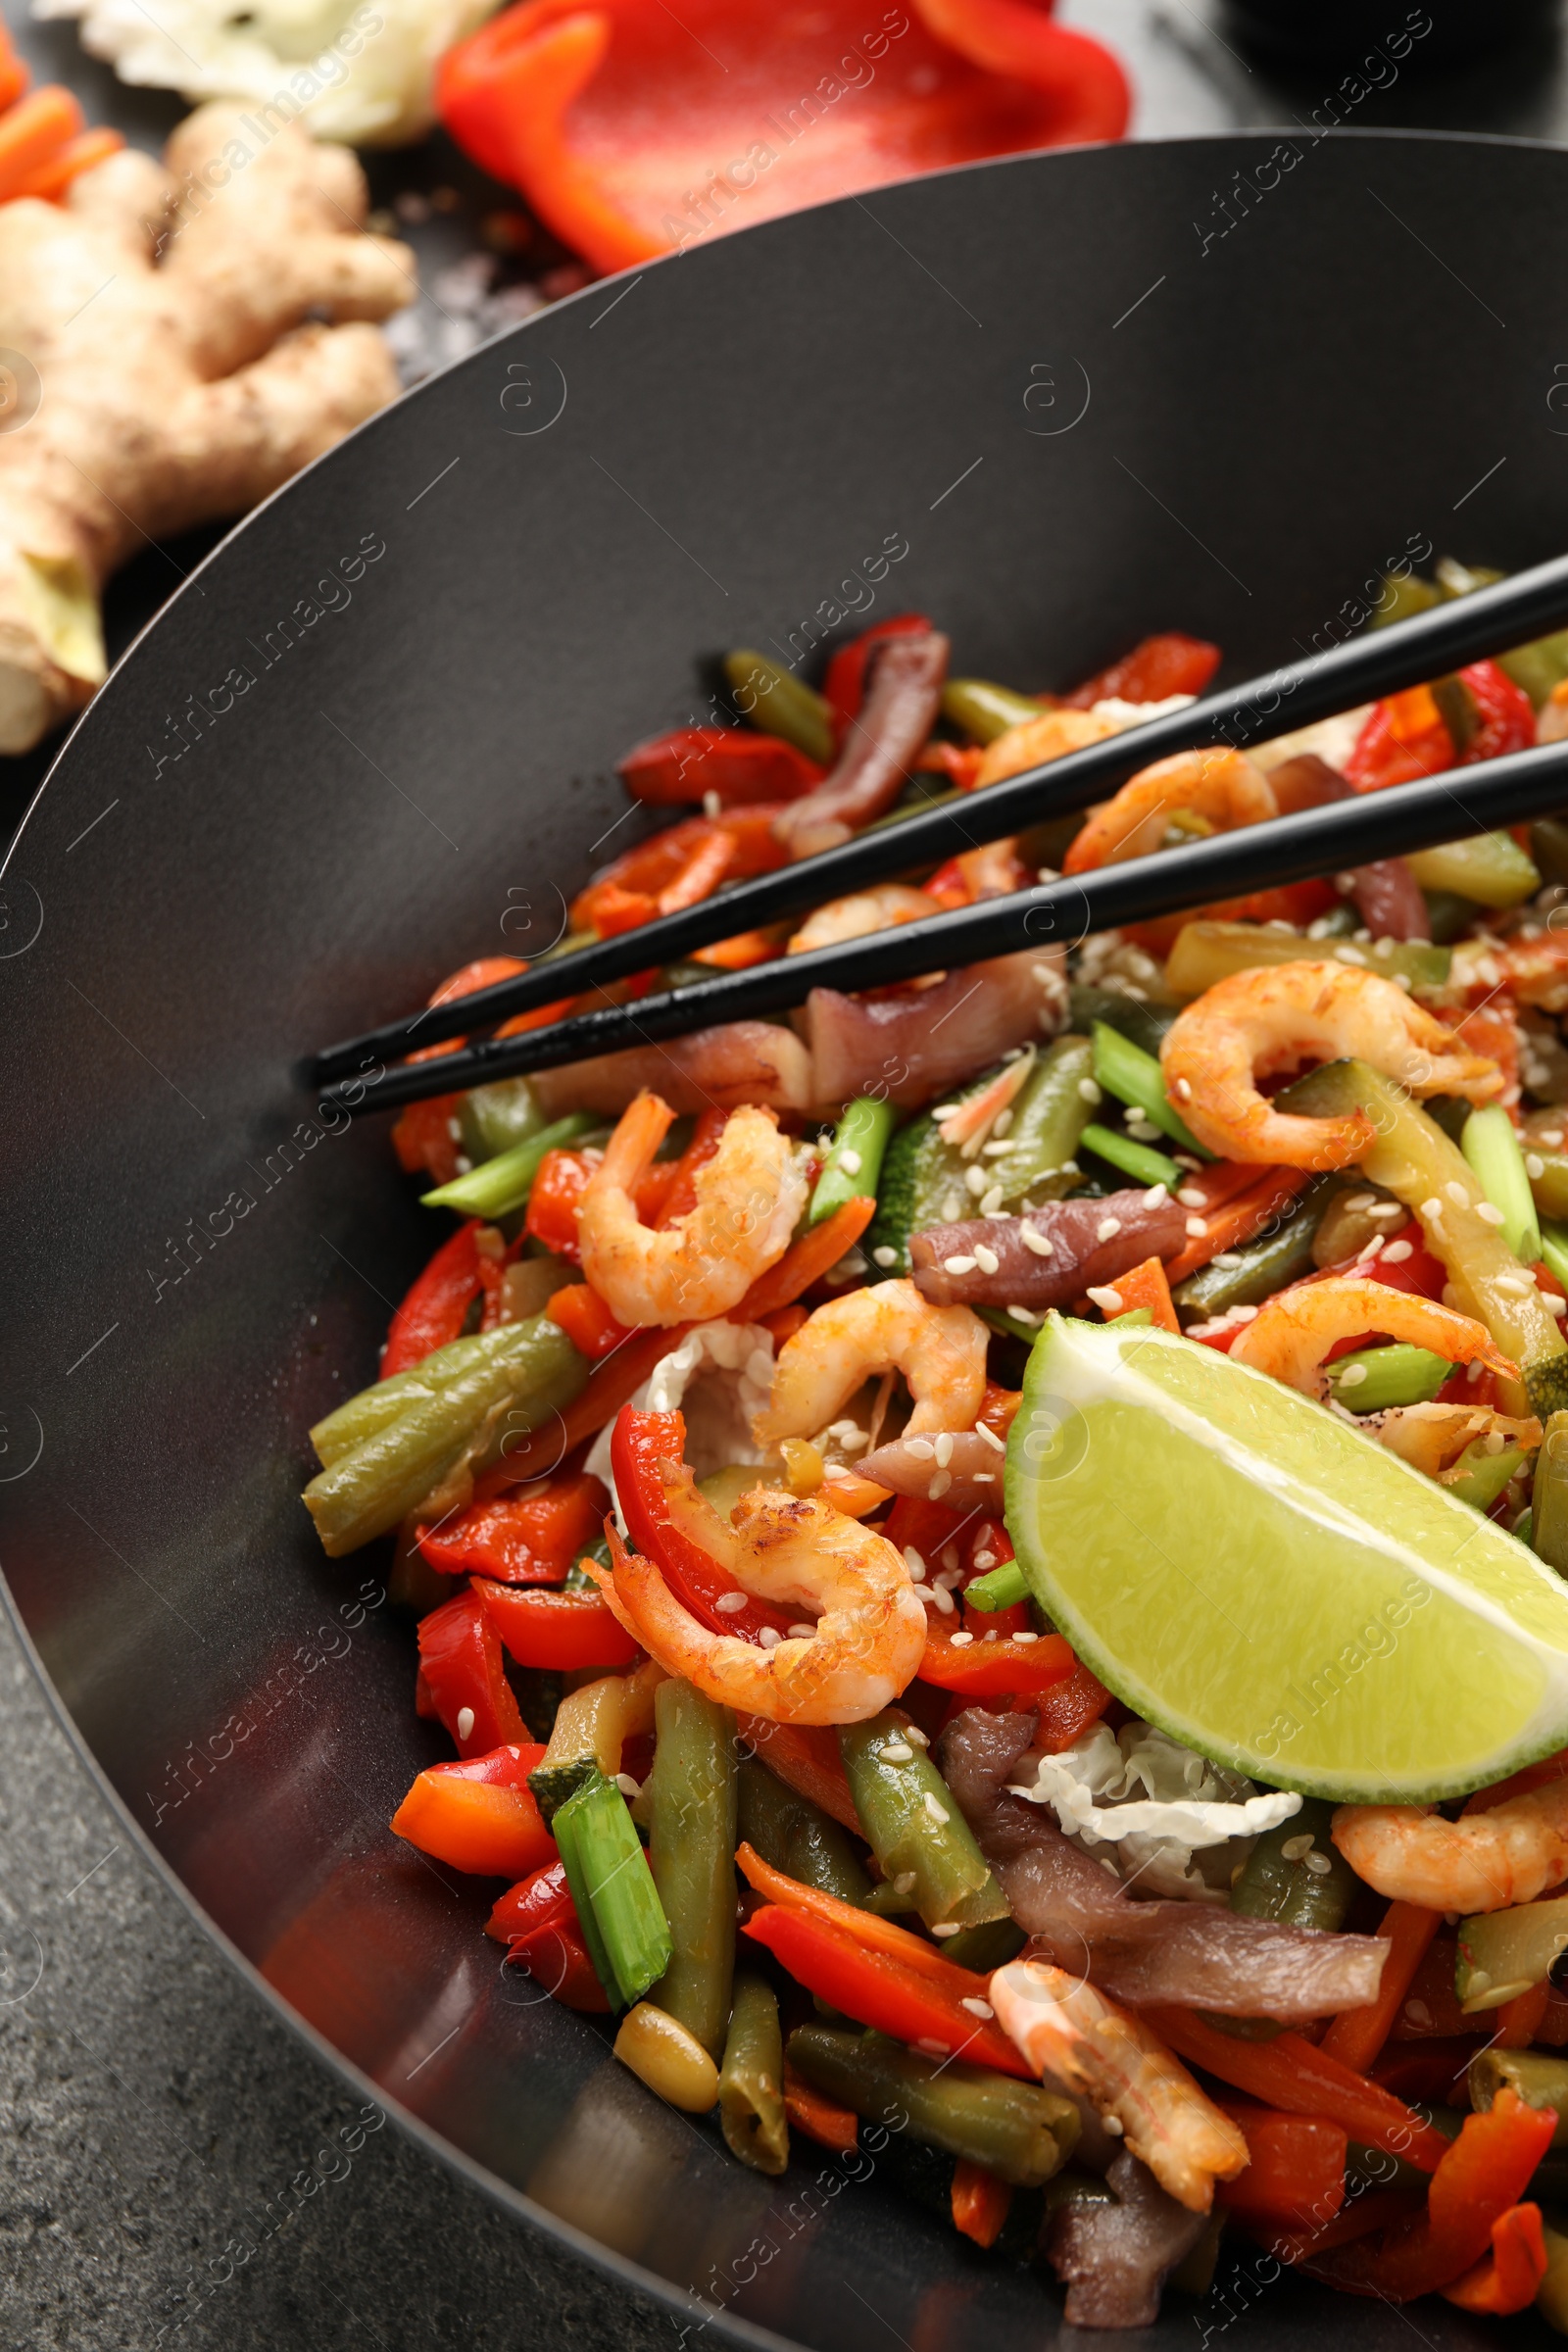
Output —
(1061, 913)
(1363, 670)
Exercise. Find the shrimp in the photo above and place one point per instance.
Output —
(1034, 741)
(1531, 964)
(1101, 2053)
(749, 1200)
(870, 1634)
(1223, 788)
(1295, 1331)
(941, 1350)
(1272, 1016)
(1484, 1862)
(1433, 1437)
(859, 914)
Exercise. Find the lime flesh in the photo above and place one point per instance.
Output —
(1270, 1585)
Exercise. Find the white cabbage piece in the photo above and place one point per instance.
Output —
(719, 1376)
(355, 69)
(1159, 1804)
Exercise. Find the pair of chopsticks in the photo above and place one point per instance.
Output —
(1449, 807)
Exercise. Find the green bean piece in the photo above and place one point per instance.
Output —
(780, 704)
(378, 1406)
(1049, 1116)
(1375, 1377)
(853, 1163)
(1479, 1476)
(1278, 1880)
(691, 1851)
(1135, 1077)
(500, 1185)
(1145, 1020)
(1549, 1501)
(750, 2080)
(495, 1117)
(1539, 2079)
(913, 1826)
(1491, 1148)
(1263, 1266)
(1502, 1953)
(1450, 916)
(1403, 598)
(998, 1589)
(611, 1882)
(1204, 953)
(796, 1837)
(986, 1947)
(983, 711)
(1016, 2130)
(1140, 1161)
(1552, 2295)
(521, 1374)
(1492, 869)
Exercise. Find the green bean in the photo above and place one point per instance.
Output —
(1479, 1476)
(500, 1185)
(999, 1589)
(611, 1883)
(496, 1116)
(1204, 953)
(913, 1826)
(1539, 2079)
(1015, 2130)
(1375, 1377)
(1276, 1883)
(750, 2080)
(1554, 1250)
(1263, 1266)
(375, 1407)
(854, 1158)
(691, 1850)
(1133, 1076)
(1505, 1952)
(1522, 1529)
(987, 1948)
(1552, 2295)
(780, 704)
(1140, 1161)
(1548, 1502)
(1193, 2275)
(1491, 1148)
(1492, 869)
(984, 710)
(796, 1837)
(1450, 916)
(522, 1373)
(1049, 1116)
(1402, 598)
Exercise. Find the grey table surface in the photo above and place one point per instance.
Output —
(155, 2110)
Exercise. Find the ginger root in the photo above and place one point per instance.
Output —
(158, 370)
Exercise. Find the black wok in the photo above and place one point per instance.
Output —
(1055, 404)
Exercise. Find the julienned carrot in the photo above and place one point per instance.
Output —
(1357, 2036)
(1235, 1219)
(810, 2110)
(806, 1758)
(36, 127)
(1148, 1286)
(53, 178)
(807, 1261)
(1289, 2073)
(981, 2202)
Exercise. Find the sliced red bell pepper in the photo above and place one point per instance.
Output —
(811, 2111)
(647, 1454)
(460, 1658)
(1505, 716)
(983, 1669)
(1480, 2176)
(1430, 2010)
(538, 1924)
(1404, 737)
(981, 2203)
(1427, 2073)
(844, 686)
(527, 1538)
(423, 1137)
(1295, 2176)
(678, 868)
(480, 1816)
(437, 1304)
(1156, 667)
(1357, 2217)
(629, 132)
(1289, 2073)
(556, 1200)
(681, 1197)
(1357, 2036)
(1067, 1709)
(806, 1757)
(1507, 2278)
(740, 767)
(587, 1321)
(560, 1630)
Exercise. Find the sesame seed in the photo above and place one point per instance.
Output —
(986, 1258)
(989, 1202)
(1488, 1214)
(1107, 1229)
(944, 1448)
(1534, 1166)
(938, 1486)
(975, 1179)
(950, 1560)
(803, 1631)
(1108, 1302)
(1190, 1195)
(961, 1265)
(1228, 1259)
(1113, 2123)
(921, 1447)
(1386, 1208)
(1196, 1229)
(1431, 1209)
(1244, 1314)
(934, 2049)
(885, 1256)
(455, 1130)
(770, 1637)
(1156, 1197)
(1551, 1137)
(962, 1640)
(904, 1883)
(1025, 1638)
(1003, 1118)
(1036, 1242)
(1456, 1192)
(1089, 1091)
(728, 1603)
(914, 1732)
(849, 1162)
(1352, 1376)
(629, 1789)
(1184, 1091)
(976, 2006)
(915, 1563)
(898, 1751)
(945, 1111)
(713, 805)
(465, 1723)
(1397, 1252)
(1495, 1440)
(1518, 1286)
(991, 1437)
(1294, 1847)
(938, 1594)
(938, 1812)
(1319, 1865)
(952, 1208)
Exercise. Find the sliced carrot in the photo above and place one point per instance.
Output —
(810, 2110)
(806, 1261)
(34, 132)
(1357, 2036)
(610, 1386)
(1236, 1221)
(53, 178)
(1148, 1286)
(981, 2202)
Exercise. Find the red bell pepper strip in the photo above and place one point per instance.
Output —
(1295, 2176)
(480, 1816)
(1358, 2217)
(558, 1629)
(678, 868)
(1520, 1784)
(645, 1452)
(844, 686)
(1357, 2036)
(1404, 737)
(810, 2110)
(1156, 667)
(1067, 1709)
(1289, 2074)
(681, 1197)
(741, 769)
(983, 1669)
(460, 1658)
(1480, 2175)
(1426, 2073)
(437, 1304)
(1507, 2278)
(1430, 2009)
(1505, 716)
(806, 1758)
(610, 118)
(521, 1539)
(423, 1137)
(538, 1924)
(556, 1200)
(981, 2203)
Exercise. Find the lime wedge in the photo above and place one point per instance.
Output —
(1268, 1584)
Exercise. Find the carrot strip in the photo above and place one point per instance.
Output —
(1239, 1218)
(610, 1386)
(806, 1261)
(1148, 1286)
(1357, 2036)
(31, 132)
(981, 2202)
(810, 2110)
(53, 178)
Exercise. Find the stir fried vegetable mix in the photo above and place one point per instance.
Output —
(992, 1556)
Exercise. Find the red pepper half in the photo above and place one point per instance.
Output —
(480, 1816)
(646, 1455)
(631, 130)
(537, 1922)
(459, 1662)
(1156, 667)
(844, 686)
(525, 1538)
(741, 767)
(437, 1304)
(562, 1630)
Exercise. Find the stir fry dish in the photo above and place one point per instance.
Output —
(993, 1554)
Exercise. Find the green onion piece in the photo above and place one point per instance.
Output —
(1002, 1589)
(1375, 1377)
(613, 1889)
(1140, 1161)
(1133, 1076)
(503, 1183)
(854, 1162)
(1490, 1145)
(780, 704)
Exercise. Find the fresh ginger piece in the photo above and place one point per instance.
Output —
(172, 370)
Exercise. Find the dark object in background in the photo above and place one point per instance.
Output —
(1337, 31)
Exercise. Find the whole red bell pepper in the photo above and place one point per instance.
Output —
(464, 1681)
(646, 1455)
(560, 1630)
(1295, 2176)
(529, 1537)
(741, 769)
(538, 1924)
(844, 686)
(1156, 667)
(436, 1305)
(480, 1816)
